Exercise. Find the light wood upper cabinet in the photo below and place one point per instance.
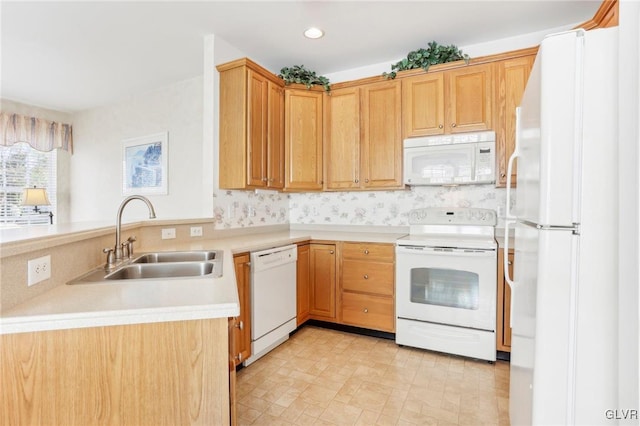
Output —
(303, 139)
(381, 148)
(511, 80)
(322, 281)
(423, 105)
(453, 101)
(363, 137)
(251, 127)
(342, 138)
(469, 99)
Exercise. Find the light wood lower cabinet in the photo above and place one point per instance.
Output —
(368, 286)
(503, 314)
(322, 282)
(302, 283)
(242, 324)
(140, 374)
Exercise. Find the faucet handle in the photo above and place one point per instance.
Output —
(125, 249)
(111, 258)
(129, 246)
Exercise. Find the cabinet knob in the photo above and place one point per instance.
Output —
(239, 357)
(356, 181)
(264, 179)
(503, 175)
(330, 251)
(365, 310)
(240, 325)
(271, 180)
(509, 263)
(366, 251)
(440, 126)
(453, 124)
(366, 277)
(366, 181)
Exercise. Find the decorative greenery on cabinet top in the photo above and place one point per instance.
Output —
(299, 74)
(424, 58)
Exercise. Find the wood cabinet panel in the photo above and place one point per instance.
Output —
(368, 277)
(511, 80)
(368, 251)
(322, 281)
(503, 314)
(367, 311)
(157, 373)
(303, 269)
(469, 98)
(251, 127)
(381, 165)
(342, 138)
(242, 330)
(303, 140)
(423, 105)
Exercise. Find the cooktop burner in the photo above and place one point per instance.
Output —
(451, 227)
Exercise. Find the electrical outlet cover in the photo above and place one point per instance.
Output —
(168, 233)
(38, 270)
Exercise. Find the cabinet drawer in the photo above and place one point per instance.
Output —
(368, 277)
(373, 312)
(368, 251)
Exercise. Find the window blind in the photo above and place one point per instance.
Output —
(24, 167)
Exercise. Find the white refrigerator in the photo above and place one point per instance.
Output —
(564, 288)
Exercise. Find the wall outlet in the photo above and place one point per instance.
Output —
(168, 233)
(196, 231)
(38, 270)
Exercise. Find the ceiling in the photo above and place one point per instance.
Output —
(71, 56)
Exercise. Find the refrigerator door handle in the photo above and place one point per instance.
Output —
(514, 155)
(505, 259)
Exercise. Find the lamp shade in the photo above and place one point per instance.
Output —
(35, 197)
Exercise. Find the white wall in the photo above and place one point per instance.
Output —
(63, 211)
(629, 209)
(96, 166)
(481, 49)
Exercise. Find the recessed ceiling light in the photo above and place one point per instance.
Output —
(313, 32)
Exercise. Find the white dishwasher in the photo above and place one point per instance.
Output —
(273, 298)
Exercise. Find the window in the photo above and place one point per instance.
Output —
(22, 167)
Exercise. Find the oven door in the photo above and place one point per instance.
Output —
(447, 286)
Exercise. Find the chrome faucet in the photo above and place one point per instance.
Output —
(152, 215)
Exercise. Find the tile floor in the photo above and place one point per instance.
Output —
(327, 377)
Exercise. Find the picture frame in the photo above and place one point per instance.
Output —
(144, 165)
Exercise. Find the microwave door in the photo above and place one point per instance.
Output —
(439, 165)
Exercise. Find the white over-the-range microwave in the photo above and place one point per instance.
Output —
(460, 159)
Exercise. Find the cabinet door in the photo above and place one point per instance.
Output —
(342, 138)
(503, 335)
(242, 335)
(381, 147)
(469, 98)
(322, 281)
(302, 284)
(303, 139)
(232, 137)
(511, 81)
(275, 137)
(423, 105)
(257, 124)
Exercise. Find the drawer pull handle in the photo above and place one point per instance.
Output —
(366, 277)
(365, 310)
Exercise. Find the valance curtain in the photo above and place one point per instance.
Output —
(43, 135)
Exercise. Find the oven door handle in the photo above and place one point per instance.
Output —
(443, 251)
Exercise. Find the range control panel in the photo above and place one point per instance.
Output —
(452, 216)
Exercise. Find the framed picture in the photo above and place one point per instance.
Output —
(144, 165)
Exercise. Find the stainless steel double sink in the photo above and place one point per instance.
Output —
(160, 266)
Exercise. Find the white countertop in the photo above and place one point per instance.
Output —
(145, 301)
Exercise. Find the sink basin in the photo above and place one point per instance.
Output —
(177, 256)
(162, 270)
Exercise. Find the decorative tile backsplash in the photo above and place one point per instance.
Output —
(389, 208)
(239, 209)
